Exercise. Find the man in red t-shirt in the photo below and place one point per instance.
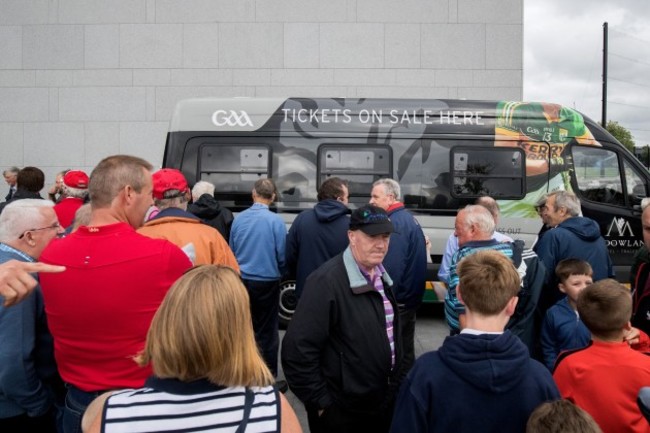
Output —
(75, 190)
(100, 308)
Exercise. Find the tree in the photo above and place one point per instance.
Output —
(622, 134)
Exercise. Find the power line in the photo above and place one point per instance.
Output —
(629, 82)
(629, 105)
(629, 59)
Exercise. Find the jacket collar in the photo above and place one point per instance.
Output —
(358, 282)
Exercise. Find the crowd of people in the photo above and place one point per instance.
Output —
(132, 303)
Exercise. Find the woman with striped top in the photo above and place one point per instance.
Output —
(208, 373)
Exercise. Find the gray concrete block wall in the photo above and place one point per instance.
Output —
(84, 79)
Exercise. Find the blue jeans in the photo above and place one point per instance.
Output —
(76, 402)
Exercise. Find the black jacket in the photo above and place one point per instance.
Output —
(213, 214)
(19, 195)
(336, 348)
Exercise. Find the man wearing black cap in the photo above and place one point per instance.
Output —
(341, 354)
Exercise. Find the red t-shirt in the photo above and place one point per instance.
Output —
(604, 380)
(65, 210)
(100, 308)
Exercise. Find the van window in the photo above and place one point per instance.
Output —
(597, 175)
(360, 165)
(497, 172)
(636, 187)
(234, 168)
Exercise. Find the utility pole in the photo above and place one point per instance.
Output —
(604, 117)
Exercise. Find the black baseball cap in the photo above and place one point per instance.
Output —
(371, 220)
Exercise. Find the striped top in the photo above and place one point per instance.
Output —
(166, 405)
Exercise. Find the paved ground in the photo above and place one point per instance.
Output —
(430, 331)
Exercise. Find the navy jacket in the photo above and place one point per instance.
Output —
(406, 260)
(575, 238)
(473, 383)
(316, 236)
(213, 214)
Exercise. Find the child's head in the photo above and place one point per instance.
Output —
(487, 281)
(561, 416)
(605, 307)
(573, 276)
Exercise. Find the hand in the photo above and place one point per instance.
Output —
(632, 337)
(16, 282)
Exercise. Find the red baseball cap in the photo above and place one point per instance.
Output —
(167, 179)
(76, 179)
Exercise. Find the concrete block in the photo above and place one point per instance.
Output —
(301, 91)
(287, 11)
(151, 77)
(151, 45)
(167, 97)
(201, 45)
(302, 77)
(102, 140)
(498, 78)
(11, 137)
(17, 78)
(491, 11)
(102, 104)
(25, 12)
(402, 92)
(453, 12)
(103, 77)
(352, 45)
(53, 47)
(251, 77)
(54, 78)
(101, 11)
(205, 11)
(11, 56)
(54, 143)
(366, 77)
(491, 93)
(151, 11)
(504, 47)
(23, 104)
(458, 46)
(402, 45)
(151, 104)
(301, 45)
(454, 77)
(201, 77)
(54, 104)
(144, 139)
(102, 46)
(251, 45)
(404, 11)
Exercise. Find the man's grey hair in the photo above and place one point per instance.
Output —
(177, 201)
(11, 170)
(20, 216)
(202, 187)
(567, 200)
(390, 187)
(645, 203)
(480, 217)
(490, 204)
(74, 192)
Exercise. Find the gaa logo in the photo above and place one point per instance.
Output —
(231, 118)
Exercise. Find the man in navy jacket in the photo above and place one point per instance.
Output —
(406, 260)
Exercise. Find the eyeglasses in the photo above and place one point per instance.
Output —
(55, 226)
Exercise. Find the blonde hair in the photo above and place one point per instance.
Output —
(112, 174)
(561, 416)
(487, 281)
(203, 329)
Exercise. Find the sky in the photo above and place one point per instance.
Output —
(563, 58)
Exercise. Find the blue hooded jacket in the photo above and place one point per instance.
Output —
(316, 236)
(473, 383)
(406, 260)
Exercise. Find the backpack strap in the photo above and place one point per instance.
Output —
(248, 404)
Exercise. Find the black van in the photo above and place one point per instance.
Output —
(444, 154)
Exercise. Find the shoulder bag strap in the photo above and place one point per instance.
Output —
(248, 404)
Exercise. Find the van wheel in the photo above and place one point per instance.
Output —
(288, 301)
